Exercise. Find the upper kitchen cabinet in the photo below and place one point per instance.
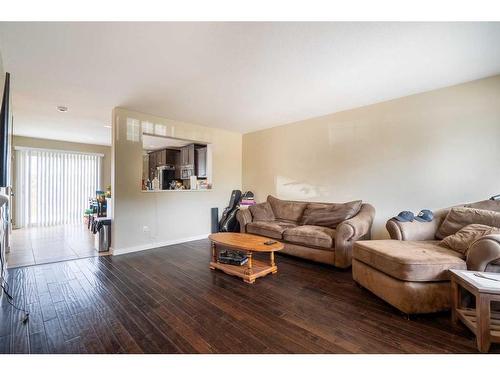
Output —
(172, 157)
(187, 155)
(161, 158)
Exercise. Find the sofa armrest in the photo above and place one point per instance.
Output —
(244, 216)
(412, 230)
(483, 251)
(355, 228)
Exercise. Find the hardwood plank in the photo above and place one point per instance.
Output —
(5, 317)
(55, 337)
(38, 343)
(5, 344)
(122, 296)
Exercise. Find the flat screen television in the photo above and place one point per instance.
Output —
(4, 133)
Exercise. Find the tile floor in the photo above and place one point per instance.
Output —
(41, 245)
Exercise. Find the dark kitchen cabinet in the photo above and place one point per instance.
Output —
(187, 155)
(158, 158)
(163, 157)
(152, 165)
(171, 157)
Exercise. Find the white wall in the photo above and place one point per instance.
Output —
(429, 150)
(171, 216)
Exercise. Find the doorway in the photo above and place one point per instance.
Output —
(52, 190)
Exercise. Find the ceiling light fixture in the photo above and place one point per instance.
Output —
(62, 108)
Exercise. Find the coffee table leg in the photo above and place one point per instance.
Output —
(455, 300)
(273, 264)
(249, 263)
(214, 255)
(483, 323)
(248, 277)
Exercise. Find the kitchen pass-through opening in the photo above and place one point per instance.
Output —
(174, 164)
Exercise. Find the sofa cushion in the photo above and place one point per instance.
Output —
(462, 240)
(311, 235)
(262, 212)
(489, 204)
(272, 229)
(287, 210)
(330, 215)
(409, 260)
(459, 217)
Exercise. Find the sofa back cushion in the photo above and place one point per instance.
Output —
(262, 212)
(330, 214)
(287, 210)
(459, 217)
(489, 204)
(462, 240)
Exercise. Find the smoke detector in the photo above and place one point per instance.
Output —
(61, 108)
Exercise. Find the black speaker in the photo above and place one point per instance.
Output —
(214, 219)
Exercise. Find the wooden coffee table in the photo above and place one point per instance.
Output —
(249, 244)
(483, 322)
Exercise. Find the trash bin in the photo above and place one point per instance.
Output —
(102, 239)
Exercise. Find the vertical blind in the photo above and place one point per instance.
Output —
(53, 187)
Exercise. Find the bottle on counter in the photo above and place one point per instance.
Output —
(193, 183)
(156, 184)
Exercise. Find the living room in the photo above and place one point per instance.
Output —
(276, 187)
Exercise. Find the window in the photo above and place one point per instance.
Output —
(53, 187)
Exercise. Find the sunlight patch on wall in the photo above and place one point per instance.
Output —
(287, 188)
(133, 130)
(148, 127)
(160, 129)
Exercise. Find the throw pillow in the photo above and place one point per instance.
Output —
(262, 212)
(466, 236)
(331, 216)
(459, 217)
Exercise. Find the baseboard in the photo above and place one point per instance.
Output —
(155, 245)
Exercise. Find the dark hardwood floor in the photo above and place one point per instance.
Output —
(168, 301)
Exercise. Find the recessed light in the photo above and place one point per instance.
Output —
(107, 126)
(62, 108)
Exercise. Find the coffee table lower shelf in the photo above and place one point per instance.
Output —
(468, 317)
(259, 269)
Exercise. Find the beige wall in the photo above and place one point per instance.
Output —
(170, 216)
(428, 150)
(70, 146)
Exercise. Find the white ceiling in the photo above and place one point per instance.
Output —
(238, 76)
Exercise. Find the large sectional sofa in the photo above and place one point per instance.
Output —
(284, 220)
(411, 270)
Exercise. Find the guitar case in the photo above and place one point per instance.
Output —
(228, 221)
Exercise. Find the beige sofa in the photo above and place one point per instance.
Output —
(410, 271)
(318, 243)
